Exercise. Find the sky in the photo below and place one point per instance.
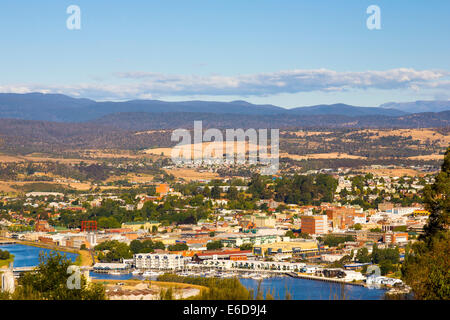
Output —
(287, 53)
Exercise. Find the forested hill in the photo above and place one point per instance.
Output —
(151, 121)
(61, 108)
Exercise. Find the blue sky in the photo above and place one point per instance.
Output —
(288, 53)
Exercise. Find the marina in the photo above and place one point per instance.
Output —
(280, 285)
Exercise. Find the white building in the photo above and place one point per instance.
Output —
(351, 275)
(159, 261)
(379, 280)
(254, 265)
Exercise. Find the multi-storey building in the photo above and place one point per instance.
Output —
(159, 261)
(317, 224)
(395, 237)
(238, 240)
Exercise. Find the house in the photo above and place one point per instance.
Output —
(163, 189)
(43, 226)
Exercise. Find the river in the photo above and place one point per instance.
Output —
(28, 256)
(299, 289)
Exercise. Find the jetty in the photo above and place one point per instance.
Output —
(326, 279)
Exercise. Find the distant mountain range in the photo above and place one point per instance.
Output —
(152, 114)
(346, 110)
(61, 108)
(143, 121)
(419, 106)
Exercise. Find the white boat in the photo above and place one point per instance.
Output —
(150, 274)
(114, 273)
(257, 276)
(136, 273)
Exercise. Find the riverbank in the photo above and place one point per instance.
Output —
(149, 290)
(4, 264)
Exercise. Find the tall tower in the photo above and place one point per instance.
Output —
(90, 227)
(92, 238)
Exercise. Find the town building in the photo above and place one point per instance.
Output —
(317, 224)
(159, 261)
(141, 225)
(395, 237)
(286, 247)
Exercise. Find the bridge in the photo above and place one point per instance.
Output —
(29, 269)
(5, 242)
(23, 269)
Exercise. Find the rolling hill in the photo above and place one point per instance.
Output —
(61, 108)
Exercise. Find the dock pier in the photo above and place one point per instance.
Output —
(310, 277)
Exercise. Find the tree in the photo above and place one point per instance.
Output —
(426, 265)
(357, 226)
(362, 255)
(232, 193)
(214, 245)
(146, 246)
(246, 246)
(289, 234)
(49, 282)
(426, 269)
(116, 251)
(178, 247)
(108, 223)
(4, 255)
(215, 192)
(136, 246)
(437, 200)
(333, 241)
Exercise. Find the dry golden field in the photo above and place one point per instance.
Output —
(331, 155)
(422, 135)
(203, 150)
(400, 172)
(192, 175)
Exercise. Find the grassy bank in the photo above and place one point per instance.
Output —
(218, 289)
(5, 263)
(174, 285)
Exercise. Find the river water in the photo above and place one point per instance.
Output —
(28, 256)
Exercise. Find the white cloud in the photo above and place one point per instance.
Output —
(135, 85)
